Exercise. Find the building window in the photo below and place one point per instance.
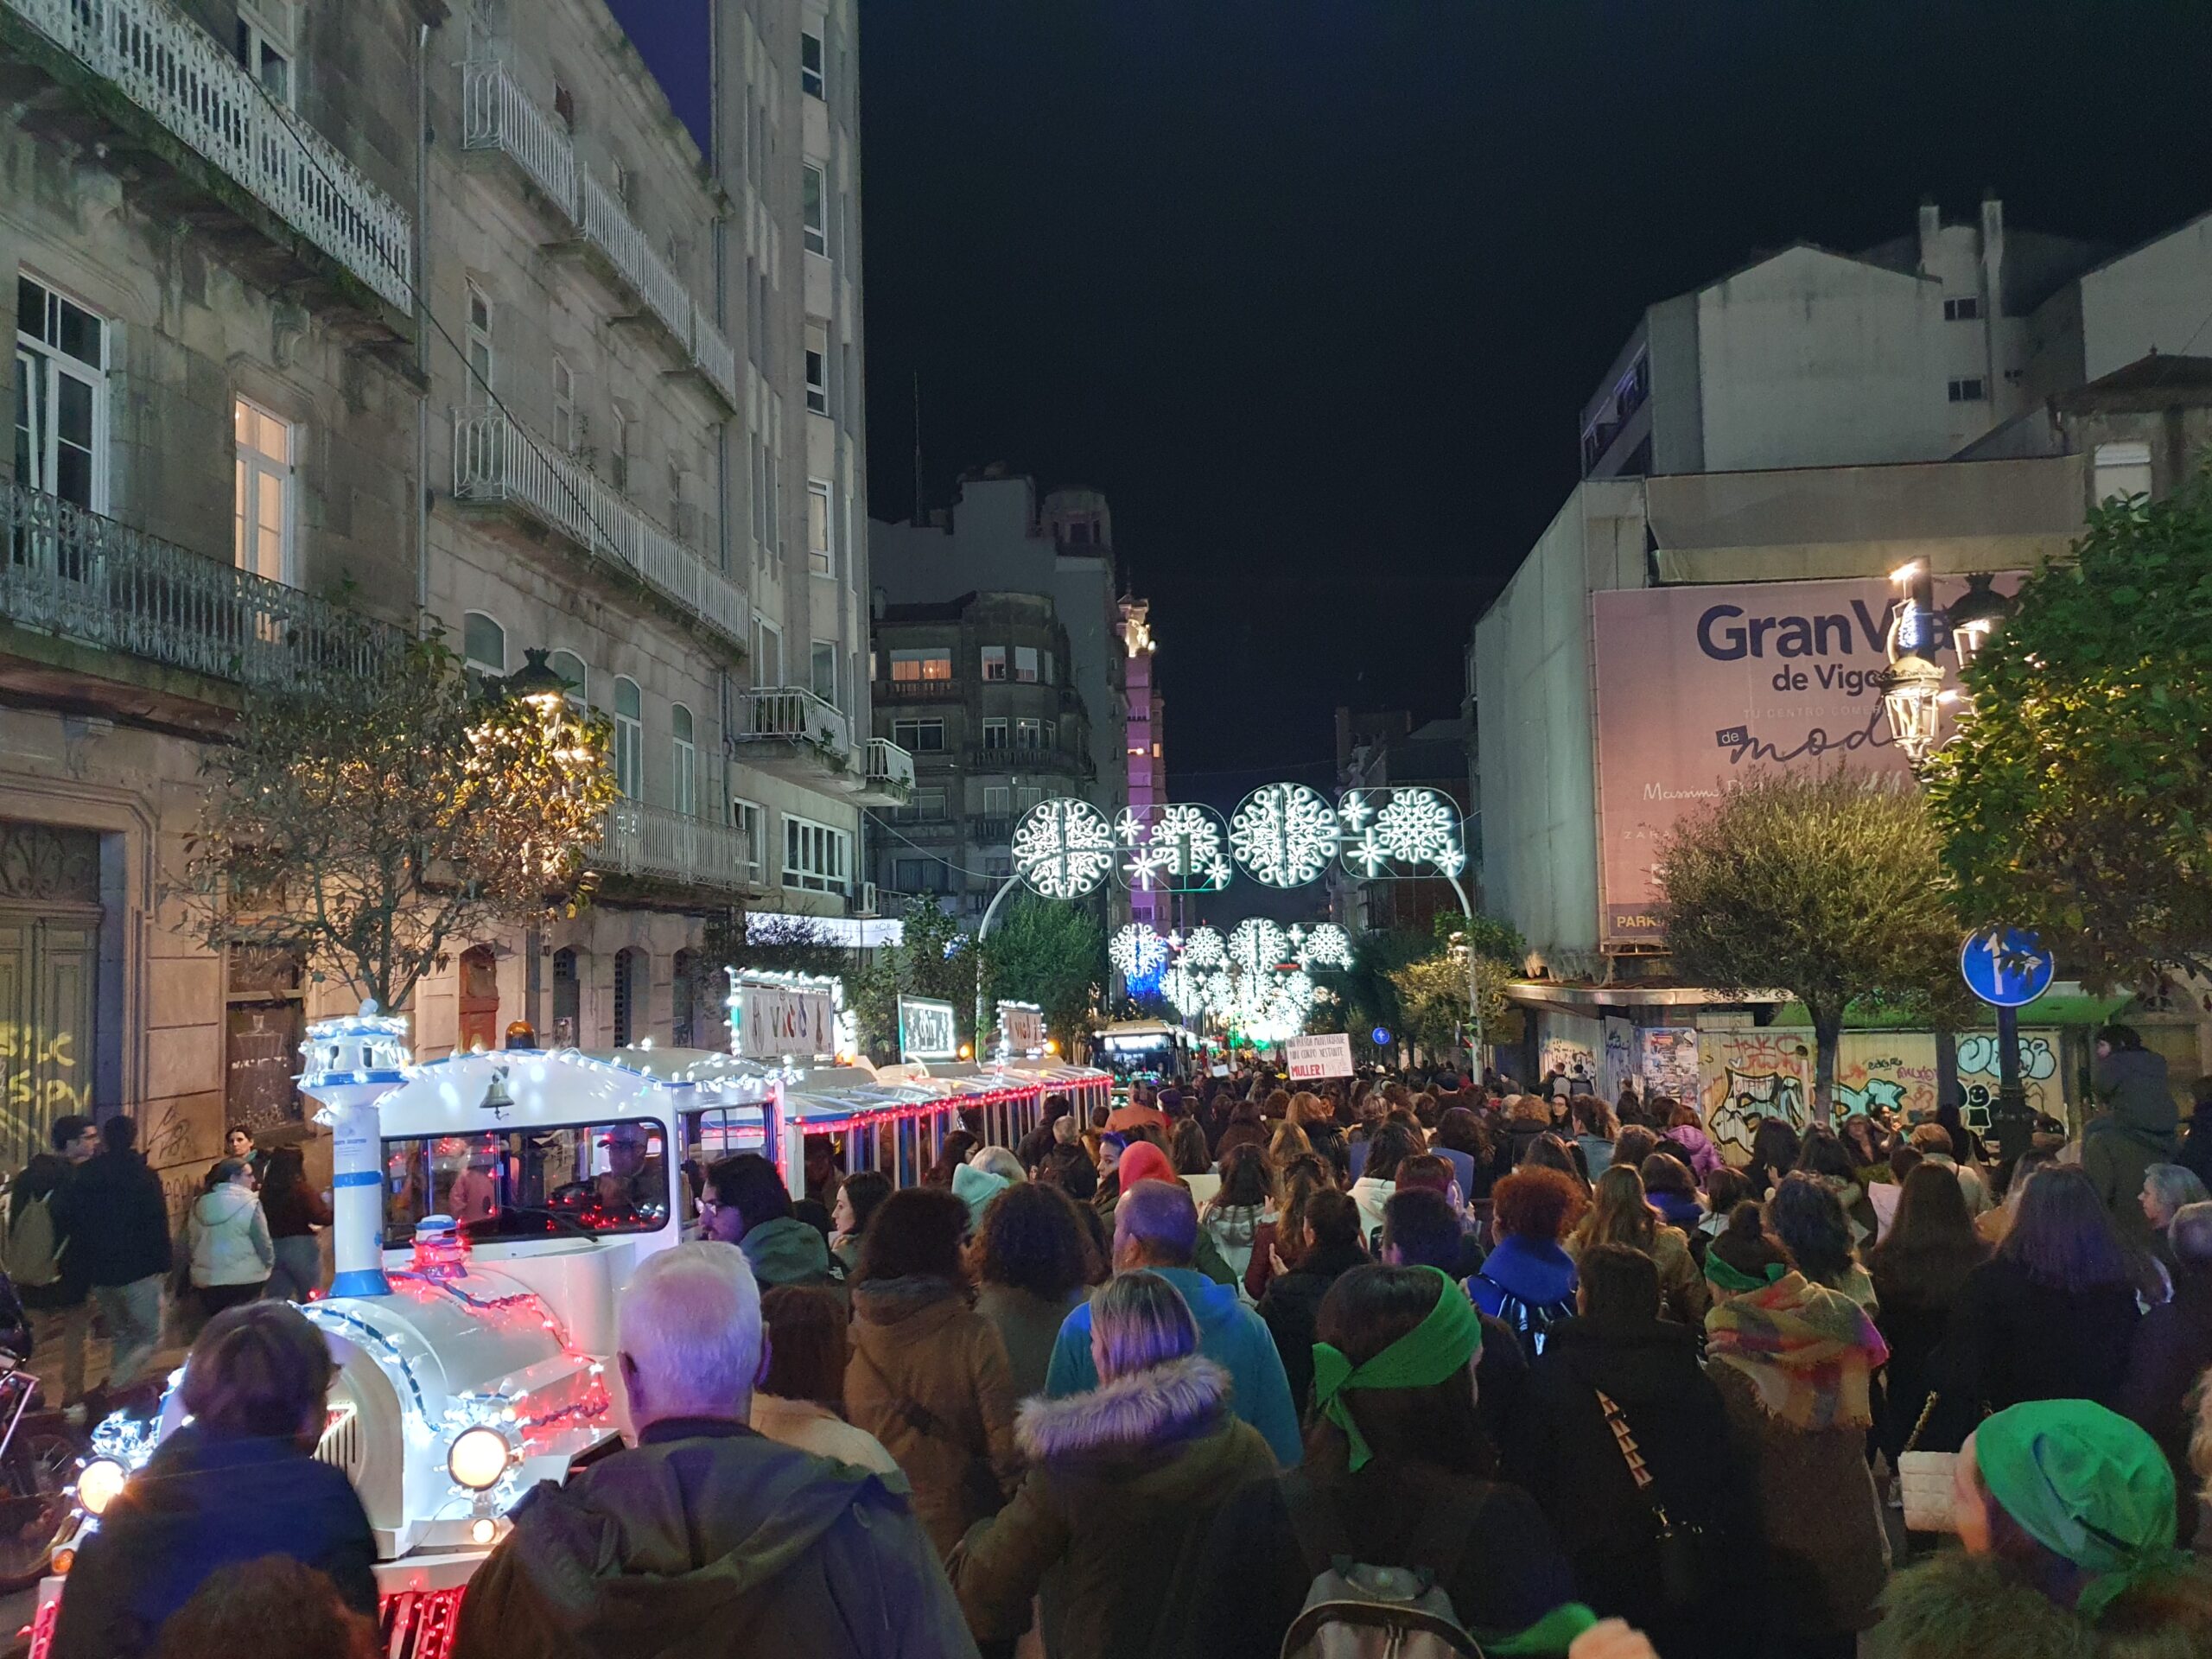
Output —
(994, 733)
(751, 822)
(61, 396)
(934, 664)
(2123, 471)
(821, 669)
(1048, 678)
(998, 800)
(568, 999)
(481, 361)
(1025, 664)
(630, 989)
(995, 662)
(1025, 733)
(817, 368)
(1052, 737)
(483, 645)
(564, 105)
(683, 762)
(1963, 310)
(261, 514)
(564, 407)
(629, 739)
(810, 64)
(266, 52)
(816, 857)
(918, 736)
(768, 652)
(998, 866)
(814, 213)
(818, 552)
(1025, 799)
(926, 807)
(1970, 390)
(618, 448)
(570, 667)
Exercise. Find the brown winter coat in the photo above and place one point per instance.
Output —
(929, 1379)
(1121, 1479)
(1827, 1553)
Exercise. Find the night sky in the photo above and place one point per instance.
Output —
(1314, 289)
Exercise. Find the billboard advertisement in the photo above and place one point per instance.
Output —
(1699, 686)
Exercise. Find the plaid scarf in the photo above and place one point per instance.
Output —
(1807, 1349)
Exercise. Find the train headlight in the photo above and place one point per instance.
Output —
(99, 1483)
(477, 1458)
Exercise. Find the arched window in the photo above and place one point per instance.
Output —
(479, 1000)
(683, 762)
(570, 667)
(630, 983)
(483, 645)
(629, 739)
(684, 1013)
(568, 999)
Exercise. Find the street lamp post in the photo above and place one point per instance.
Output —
(543, 687)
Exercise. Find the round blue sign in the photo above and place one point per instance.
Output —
(2005, 967)
(1380, 1036)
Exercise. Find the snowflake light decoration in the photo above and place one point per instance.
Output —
(1326, 945)
(1284, 834)
(1418, 828)
(1136, 951)
(1203, 949)
(1063, 849)
(1257, 944)
(1178, 849)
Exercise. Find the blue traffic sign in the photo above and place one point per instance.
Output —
(2005, 967)
(1380, 1036)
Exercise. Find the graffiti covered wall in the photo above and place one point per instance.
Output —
(1892, 1069)
(1977, 1080)
(1667, 1061)
(1747, 1074)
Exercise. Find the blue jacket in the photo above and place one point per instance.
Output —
(1229, 1334)
(1539, 1275)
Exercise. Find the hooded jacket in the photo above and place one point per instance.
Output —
(2140, 1131)
(1291, 1306)
(230, 1238)
(928, 1378)
(119, 1220)
(788, 1251)
(1229, 1334)
(1122, 1480)
(1560, 1450)
(53, 1177)
(1954, 1604)
(1537, 1272)
(711, 1542)
(2011, 1339)
(977, 1188)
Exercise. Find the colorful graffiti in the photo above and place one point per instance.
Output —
(1569, 1059)
(1894, 1072)
(1977, 1076)
(1746, 1075)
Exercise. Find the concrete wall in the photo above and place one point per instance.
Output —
(2154, 299)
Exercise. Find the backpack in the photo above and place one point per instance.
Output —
(1358, 1611)
(1530, 1321)
(33, 1256)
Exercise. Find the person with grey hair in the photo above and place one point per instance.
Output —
(1122, 1478)
(1156, 1229)
(2171, 1348)
(2166, 1188)
(705, 1537)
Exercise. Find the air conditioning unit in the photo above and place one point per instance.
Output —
(865, 905)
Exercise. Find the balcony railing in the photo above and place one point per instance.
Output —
(918, 691)
(497, 114)
(79, 576)
(635, 839)
(1058, 763)
(791, 713)
(990, 832)
(175, 71)
(496, 460)
(889, 765)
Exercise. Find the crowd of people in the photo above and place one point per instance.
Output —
(1234, 1370)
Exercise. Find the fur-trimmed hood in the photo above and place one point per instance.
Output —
(1176, 1401)
(1950, 1604)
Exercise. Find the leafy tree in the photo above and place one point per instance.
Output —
(368, 823)
(1488, 936)
(1433, 1000)
(1825, 887)
(1370, 997)
(2076, 798)
(1050, 953)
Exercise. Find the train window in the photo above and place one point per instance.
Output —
(517, 1183)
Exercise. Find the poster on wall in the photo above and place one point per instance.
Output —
(1576, 1062)
(1618, 1066)
(1745, 1076)
(1668, 1062)
(926, 1031)
(780, 1019)
(1698, 686)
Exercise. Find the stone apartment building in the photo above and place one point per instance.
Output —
(437, 316)
(978, 690)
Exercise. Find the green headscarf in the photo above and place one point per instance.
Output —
(2087, 1486)
(1730, 1279)
(1427, 1355)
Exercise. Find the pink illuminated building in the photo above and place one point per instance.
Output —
(1148, 772)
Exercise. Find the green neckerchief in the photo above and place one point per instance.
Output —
(2087, 1486)
(1427, 1355)
(1555, 1633)
(1730, 1280)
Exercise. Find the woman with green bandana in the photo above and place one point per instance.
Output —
(1794, 1362)
(1396, 1475)
(2066, 1511)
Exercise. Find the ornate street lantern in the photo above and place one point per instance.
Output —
(1979, 612)
(1912, 697)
